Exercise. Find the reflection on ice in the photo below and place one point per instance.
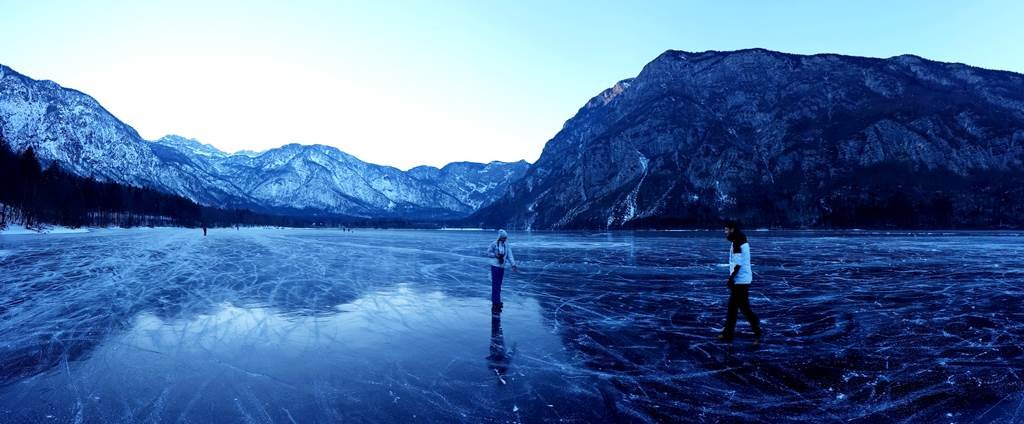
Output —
(397, 354)
(500, 356)
(384, 326)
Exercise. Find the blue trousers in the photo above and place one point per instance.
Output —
(497, 274)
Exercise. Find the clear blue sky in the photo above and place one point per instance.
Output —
(429, 82)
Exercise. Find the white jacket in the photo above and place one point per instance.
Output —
(495, 249)
(746, 275)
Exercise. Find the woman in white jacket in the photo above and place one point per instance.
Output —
(501, 254)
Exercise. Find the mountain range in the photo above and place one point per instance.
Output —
(72, 129)
(787, 140)
(774, 139)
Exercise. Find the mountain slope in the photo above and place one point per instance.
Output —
(780, 139)
(71, 128)
(474, 184)
(319, 178)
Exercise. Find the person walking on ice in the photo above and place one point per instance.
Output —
(501, 254)
(740, 277)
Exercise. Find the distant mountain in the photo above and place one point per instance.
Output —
(192, 147)
(312, 178)
(783, 139)
(71, 128)
(474, 184)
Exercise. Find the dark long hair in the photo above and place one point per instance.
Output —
(736, 237)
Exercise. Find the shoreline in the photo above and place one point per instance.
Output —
(20, 230)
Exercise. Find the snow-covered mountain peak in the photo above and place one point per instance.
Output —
(72, 129)
(248, 153)
(191, 145)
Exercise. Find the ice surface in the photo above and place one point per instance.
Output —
(395, 326)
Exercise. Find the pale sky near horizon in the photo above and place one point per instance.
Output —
(416, 82)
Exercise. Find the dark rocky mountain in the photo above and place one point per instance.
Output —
(783, 140)
(72, 129)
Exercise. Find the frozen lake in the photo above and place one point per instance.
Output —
(395, 326)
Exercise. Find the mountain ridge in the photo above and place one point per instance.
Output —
(690, 137)
(70, 127)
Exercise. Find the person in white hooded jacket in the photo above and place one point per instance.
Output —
(501, 255)
(740, 279)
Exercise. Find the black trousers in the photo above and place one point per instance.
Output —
(739, 299)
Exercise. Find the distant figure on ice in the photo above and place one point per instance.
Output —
(740, 277)
(204, 230)
(501, 253)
